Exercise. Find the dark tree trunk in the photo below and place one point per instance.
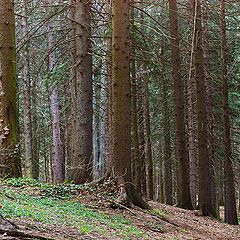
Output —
(141, 136)
(209, 108)
(183, 179)
(120, 165)
(148, 143)
(135, 131)
(167, 161)
(191, 125)
(205, 202)
(9, 144)
(230, 211)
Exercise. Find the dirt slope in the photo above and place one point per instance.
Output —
(88, 214)
(165, 222)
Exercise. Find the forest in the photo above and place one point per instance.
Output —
(115, 111)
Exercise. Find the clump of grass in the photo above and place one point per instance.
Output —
(85, 229)
(61, 191)
(160, 212)
(22, 182)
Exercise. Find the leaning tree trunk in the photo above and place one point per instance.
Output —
(82, 96)
(183, 163)
(120, 165)
(205, 202)
(9, 154)
(230, 212)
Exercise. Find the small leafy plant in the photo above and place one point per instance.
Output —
(29, 199)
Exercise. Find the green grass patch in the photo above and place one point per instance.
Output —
(49, 208)
(160, 212)
(22, 182)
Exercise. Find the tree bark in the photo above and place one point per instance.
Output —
(9, 150)
(205, 202)
(230, 211)
(148, 143)
(120, 165)
(167, 161)
(141, 136)
(97, 125)
(135, 130)
(190, 124)
(82, 95)
(209, 108)
(108, 113)
(29, 161)
(184, 181)
(191, 144)
(58, 163)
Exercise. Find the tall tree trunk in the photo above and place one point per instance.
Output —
(96, 126)
(135, 130)
(184, 182)
(230, 212)
(72, 81)
(191, 142)
(161, 183)
(167, 161)
(9, 151)
(46, 161)
(209, 101)
(141, 136)
(120, 165)
(238, 196)
(190, 125)
(205, 202)
(108, 112)
(102, 128)
(148, 144)
(29, 161)
(141, 114)
(35, 132)
(82, 96)
(58, 164)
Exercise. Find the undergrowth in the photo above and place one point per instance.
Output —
(59, 205)
(160, 212)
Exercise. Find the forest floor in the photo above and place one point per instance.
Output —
(35, 210)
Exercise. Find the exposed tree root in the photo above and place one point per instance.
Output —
(22, 235)
(128, 196)
(8, 221)
(119, 205)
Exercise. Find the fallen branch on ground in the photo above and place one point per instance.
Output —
(17, 233)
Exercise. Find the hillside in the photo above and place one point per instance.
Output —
(35, 210)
